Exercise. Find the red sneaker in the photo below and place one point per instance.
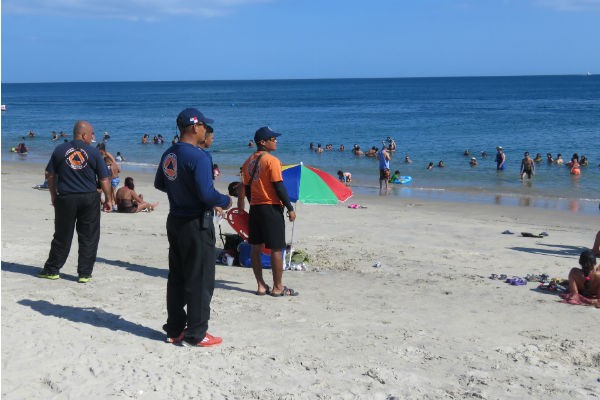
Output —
(208, 341)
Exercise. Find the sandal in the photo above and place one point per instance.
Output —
(268, 291)
(286, 292)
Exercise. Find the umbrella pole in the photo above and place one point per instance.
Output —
(291, 241)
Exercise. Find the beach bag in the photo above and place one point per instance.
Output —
(230, 245)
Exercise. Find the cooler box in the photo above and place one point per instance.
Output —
(244, 250)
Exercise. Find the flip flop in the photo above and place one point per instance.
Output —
(268, 291)
(518, 282)
(286, 292)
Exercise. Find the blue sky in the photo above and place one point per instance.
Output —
(124, 40)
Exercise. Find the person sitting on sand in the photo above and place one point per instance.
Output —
(344, 177)
(128, 201)
(596, 246)
(586, 280)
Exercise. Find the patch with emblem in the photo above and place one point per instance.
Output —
(169, 166)
(76, 158)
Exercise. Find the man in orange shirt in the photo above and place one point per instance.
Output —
(263, 185)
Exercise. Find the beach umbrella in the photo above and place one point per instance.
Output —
(310, 185)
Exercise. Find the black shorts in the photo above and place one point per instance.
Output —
(384, 174)
(267, 226)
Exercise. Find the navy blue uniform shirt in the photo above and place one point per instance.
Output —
(185, 173)
(76, 164)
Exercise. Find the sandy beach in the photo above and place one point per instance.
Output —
(427, 324)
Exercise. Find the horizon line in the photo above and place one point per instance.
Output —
(307, 79)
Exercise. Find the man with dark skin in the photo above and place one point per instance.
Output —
(263, 183)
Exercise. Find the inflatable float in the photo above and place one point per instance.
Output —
(403, 180)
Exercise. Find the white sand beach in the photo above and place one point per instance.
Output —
(427, 324)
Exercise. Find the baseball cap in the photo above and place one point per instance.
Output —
(265, 133)
(191, 116)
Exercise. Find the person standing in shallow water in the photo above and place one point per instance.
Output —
(384, 168)
(500, 159)
(527, 167)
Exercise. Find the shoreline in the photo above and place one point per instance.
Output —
(590, 207)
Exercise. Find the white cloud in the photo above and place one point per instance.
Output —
(571, 5)
(147, 10)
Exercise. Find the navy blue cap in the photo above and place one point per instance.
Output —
(265, 133)
(191, 116)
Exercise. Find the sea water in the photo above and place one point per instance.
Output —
(431, 119)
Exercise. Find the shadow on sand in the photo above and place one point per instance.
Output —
(553, 250)
(93, 316)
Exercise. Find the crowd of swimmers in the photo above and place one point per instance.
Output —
(527, 168)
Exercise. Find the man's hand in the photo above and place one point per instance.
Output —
(291, 215)
(108, 205)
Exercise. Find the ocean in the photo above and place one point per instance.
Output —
(431, 119)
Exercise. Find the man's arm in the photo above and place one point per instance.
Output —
(283, 196)
(105, 185)
(52, 187)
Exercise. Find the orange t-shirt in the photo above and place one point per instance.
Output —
(268, 171)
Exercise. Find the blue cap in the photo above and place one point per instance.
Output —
(265, 133)
(191, 116)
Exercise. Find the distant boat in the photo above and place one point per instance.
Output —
(3, 107)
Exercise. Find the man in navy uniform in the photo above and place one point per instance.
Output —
(74, 171)
(185, 173)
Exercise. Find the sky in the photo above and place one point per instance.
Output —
(173, 40)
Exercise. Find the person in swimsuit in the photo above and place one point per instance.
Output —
(574, 164)
(596, 246)
(128, 201)
(527, 167)
(586, 280)
(500, 158)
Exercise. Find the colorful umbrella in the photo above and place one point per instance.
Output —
(313, 186)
